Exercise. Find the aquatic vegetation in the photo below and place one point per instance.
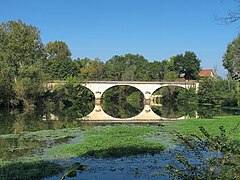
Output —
(72, 170)
(110, 141)
(23, 145)
(29, 170)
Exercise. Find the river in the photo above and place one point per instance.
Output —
(15, 144)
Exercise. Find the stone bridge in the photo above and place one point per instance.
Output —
(147, 88)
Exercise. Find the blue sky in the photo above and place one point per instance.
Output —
(156, 29)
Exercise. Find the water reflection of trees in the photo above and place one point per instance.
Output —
(122, 101)
(16, 122)
(168, 111)
(120, 109)
(14, 142)
(72, 99)
(176, 102)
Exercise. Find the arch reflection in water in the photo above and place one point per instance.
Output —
(146, 115)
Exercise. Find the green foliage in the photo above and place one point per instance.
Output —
(156, 70)
(170, 76)
(29, 85)
(72, 97)
(135, 99)
(128, 67)
(20, 45)
(20, 49)
(231, 59)
(178, 96)
(187, 64)
(58, 69)
(187, 96)
(59, 64)
(58, 50)
(116, 102)
(217, 91)
(216, 157)
(83, 62)
(92, 70)
(169, 95)
(6, 89)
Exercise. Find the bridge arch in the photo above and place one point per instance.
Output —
(99, 90)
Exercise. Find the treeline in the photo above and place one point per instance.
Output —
(26, 64)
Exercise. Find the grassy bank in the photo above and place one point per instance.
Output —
(191, 126)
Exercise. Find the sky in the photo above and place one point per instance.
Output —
(156, 29)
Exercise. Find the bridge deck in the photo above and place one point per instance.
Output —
(132, 82)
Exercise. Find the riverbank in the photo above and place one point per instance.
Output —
(104, 142)
(191, 126)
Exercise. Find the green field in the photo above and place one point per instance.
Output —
(191, 126)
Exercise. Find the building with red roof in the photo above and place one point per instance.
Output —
(206, 73)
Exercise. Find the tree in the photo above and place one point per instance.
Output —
(29, 84)
(20, 45)
(128, 67)
(20, 48)
(59, 64)
(231, 59)
(83, 62)
(233, 16)
(62, 69)
(115, 67)
(58, 50)
(157, 69)
(187, 64)
(6, 90)
(170, 76)
(93, 71)
(217, 91)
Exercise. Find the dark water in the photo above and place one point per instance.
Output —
(135, 167)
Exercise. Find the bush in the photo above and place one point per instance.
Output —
(211, 157)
